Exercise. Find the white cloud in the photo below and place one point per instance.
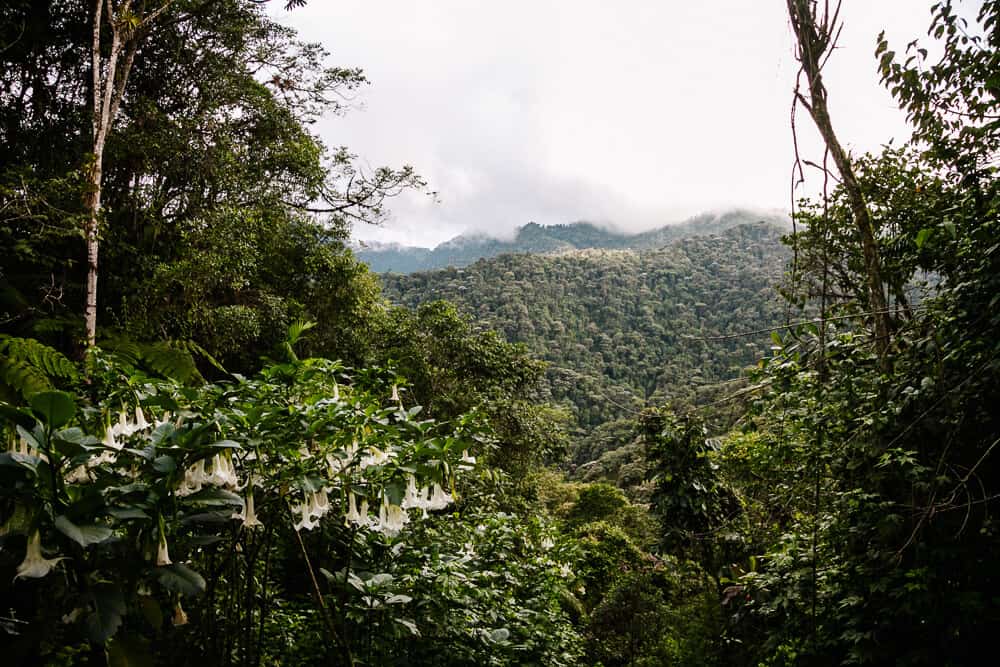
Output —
(634, 113)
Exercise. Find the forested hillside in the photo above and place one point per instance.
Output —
(534, 238)
(625, 329)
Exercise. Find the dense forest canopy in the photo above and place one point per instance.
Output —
(223, 443)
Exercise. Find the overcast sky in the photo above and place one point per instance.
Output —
(631, 113)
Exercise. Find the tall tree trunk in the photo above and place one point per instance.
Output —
(816, 37)
(108, 88)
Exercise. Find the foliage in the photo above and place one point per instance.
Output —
(622, 329)
(148, 512)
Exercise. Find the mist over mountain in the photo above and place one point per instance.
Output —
(539, 239)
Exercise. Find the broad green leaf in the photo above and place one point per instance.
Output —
(164, 464)
(20, 417)
(151, 611)
(922, 236)
(179, 578)
(214, 497)
(106, 616)
(21, 460)
(126, 513)
(83, 535)
(226, 444)
(55, 408)
(409, 625)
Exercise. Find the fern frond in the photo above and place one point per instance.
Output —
(198, 350)
(44, 358)
(126, 349)
(21, 377)
(172, 361)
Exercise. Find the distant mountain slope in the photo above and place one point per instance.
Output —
(536, 239)
(623, 328)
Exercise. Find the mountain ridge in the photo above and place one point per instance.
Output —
(534, 238)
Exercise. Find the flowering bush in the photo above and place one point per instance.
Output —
(118, 508)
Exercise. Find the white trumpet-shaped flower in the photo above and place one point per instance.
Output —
(110, 439)
(35, 565)
(223, 471)
(395, 395)
(471, 460)
(307, 519)
(194, 477)
(162, 553)
(335, 464)
(437, 498)
(319, 504)
(140, 420)
(353, 515)
(414, 497)
(248, 516)
(180, 617)
(391, 519)
(165, 419)
(547, 543)
(376, 458)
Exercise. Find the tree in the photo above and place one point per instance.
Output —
(110, 76)
(816, 34)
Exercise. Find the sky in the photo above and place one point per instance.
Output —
(630, 114)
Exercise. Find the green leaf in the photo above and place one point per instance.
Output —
(21, 460)
(409, 625)
(125, 513)
(55, 407)
(83, 535)
(922, 236)
(226, 444)
(214, 497)
(179, 578)
(151, 611)
(108, 608)
(19, 417)
(164, 464)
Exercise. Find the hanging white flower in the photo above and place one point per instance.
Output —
(194, 477)
(335, 465)
(319, 504)
(180, 617)
(122, 427)
(471, 460)
(223, 471)
(140, 420)
(162, 554)
(353, 516)
(395, 396)
(307, 520)
(414, 497)
(78, 475)
(248, 516)
(437, 498)
(35, 565)
(110, 439)
(376, 458)
(391, 519)
(165, 419)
